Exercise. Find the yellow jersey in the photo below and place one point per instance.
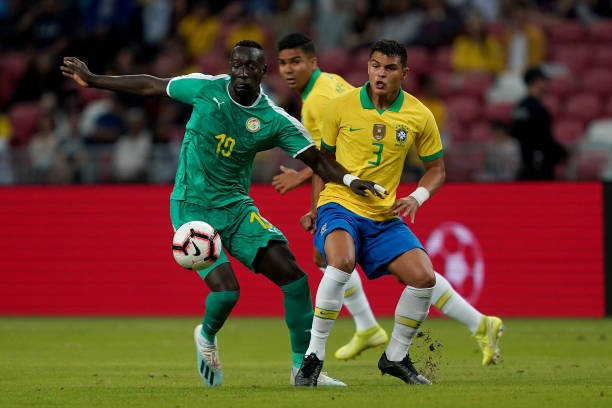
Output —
(373, 143)
(320, 89)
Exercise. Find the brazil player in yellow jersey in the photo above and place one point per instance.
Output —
(298, 66)
(369, 130)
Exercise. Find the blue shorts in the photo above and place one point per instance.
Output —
(376, 242)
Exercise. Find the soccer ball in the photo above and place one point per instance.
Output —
(196, 245)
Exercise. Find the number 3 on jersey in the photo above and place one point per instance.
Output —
(378, 153)
(226, 144)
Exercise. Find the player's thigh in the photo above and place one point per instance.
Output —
(277, 263)
(382, 243)
(340, 250)
(182, 212)
(249, 233)
(413, 268)
(336, 237)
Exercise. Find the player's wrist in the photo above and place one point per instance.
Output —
(421, 194)
(348, 179)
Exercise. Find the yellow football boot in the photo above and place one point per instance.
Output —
(362, 340)
(488, 335)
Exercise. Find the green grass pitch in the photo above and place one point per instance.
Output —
(150, 362)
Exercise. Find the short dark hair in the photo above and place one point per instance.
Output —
(533, 74)
(390, 48)
(249, 43)
(297, 40)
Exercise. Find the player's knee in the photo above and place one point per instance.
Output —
(418, 277)
(424, 279)
(344, 263)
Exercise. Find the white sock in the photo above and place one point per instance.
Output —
(357, 303)
(453, 305)
(410, 312)
(328, 304)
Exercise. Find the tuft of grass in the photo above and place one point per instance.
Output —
(150, 362)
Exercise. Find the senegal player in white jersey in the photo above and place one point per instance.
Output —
(298, 66)
(369, 130)
(232, 120)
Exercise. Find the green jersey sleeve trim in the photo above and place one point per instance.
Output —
(328, 147)
(366, 102)
(313, 78)
(432, 156)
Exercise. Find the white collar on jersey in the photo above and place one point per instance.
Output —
(250, 106)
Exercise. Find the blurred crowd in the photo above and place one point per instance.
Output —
(521, 89)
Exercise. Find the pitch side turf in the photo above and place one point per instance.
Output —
(150, 362)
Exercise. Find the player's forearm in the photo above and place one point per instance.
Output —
(317, 186)
(323, 165)
(145, 85)
(305, 174)
(433, 179)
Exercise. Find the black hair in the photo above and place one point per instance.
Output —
(297, 40)
(249, 43)
(390, 48)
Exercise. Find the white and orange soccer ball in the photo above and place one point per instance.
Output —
(196, 245)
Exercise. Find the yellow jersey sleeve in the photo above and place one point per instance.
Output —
(312, 112)
(330, 126)
(428, 143)
(322, 88)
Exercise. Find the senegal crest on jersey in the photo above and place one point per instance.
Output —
(252, 124)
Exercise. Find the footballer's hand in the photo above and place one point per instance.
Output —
(286, 181)
(405, 206)
(361, 187)
(77, 70)
(308, 221)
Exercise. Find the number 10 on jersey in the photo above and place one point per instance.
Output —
(226, 144)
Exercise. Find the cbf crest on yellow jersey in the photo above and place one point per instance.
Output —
(372, 144)
(320, 89)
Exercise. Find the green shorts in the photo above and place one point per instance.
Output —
(242, 229)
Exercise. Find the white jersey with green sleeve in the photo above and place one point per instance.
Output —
(222, 138)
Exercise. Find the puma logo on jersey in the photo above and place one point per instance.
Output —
(217, 102)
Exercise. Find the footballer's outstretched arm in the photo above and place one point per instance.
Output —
(145, 85)
(331, 170)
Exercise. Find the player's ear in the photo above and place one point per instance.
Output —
(314, 62)
(264, 69)
(405, 71)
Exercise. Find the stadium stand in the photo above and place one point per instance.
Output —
(578, 59)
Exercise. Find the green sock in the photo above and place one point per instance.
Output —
(218, 307)
(298, 316)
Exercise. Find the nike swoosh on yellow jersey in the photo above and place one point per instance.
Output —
(353, 130)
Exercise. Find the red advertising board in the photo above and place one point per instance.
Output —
(511, 249)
